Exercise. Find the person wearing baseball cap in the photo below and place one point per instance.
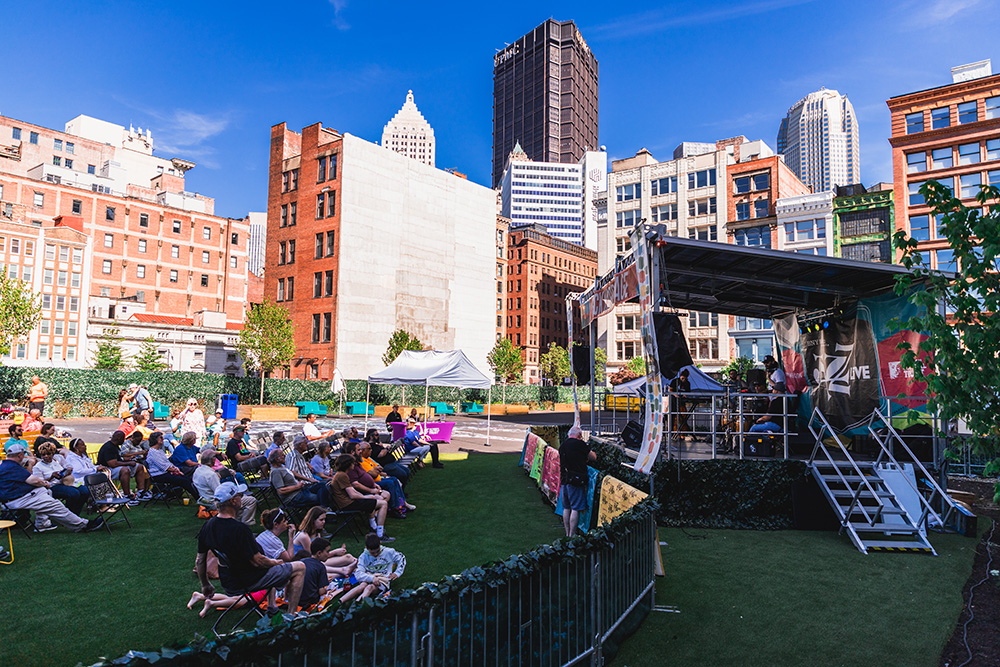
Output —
(21, 490)
(243, 567)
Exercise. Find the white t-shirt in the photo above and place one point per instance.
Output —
(311, 431)
(45, 470)
(81, 465)
(206, 481)
(271, 544)
(778, 376)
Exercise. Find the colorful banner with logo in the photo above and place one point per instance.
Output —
(653, 426)
(550, 480)
(616, 499)
(592, 475)
(845, 365)
(613, 288)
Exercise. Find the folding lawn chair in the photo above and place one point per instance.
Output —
(107, 499)
(340, 520)
(21, 517)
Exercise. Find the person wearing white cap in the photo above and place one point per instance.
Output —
(20, 490)
(242, 563)
(207, 482)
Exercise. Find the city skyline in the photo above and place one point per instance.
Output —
(212, 97)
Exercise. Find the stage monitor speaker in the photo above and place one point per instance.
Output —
(580, 360)
(673, 349)
(632, 435)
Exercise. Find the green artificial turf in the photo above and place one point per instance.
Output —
(796, 598)
(72, 598)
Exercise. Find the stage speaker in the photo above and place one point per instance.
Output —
(673, 349)
(580, 361)
(756, 376)
(758, 444)
(632, 435)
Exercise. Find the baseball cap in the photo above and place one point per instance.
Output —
(227, 490)
(16, 448)
(239, 427)
(218, 411)
(133, 386)
(769, 360)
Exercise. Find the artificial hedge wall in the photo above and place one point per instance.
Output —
(90, 392)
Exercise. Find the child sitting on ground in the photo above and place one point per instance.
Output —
(317, 591)
(379, 565)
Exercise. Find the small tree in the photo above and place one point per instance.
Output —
(637, 365)
(960, 357)
(740, 364)
(400, 340)
(600, 362)
(554, 364)
(109, 355)
(149, 358)
(20, 310)
(506, 361)
(267, 340)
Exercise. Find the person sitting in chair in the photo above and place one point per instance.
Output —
(161, 470)
(312, 432)
(419, 445)
(207, 481)
(60, 478)
(124, 467)
(296, 490)
(382, 455)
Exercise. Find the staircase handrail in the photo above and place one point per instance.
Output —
(891, 434)
(856, 499)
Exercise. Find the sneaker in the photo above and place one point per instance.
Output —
(44, 527)
(410, 508)
(385, 539)
(94, 524)
(131, 500)
(438, 465)
(144, 495)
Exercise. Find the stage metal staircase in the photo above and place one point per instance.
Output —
(866, 507)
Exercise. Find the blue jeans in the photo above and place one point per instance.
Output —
(395, 489)
(397, 471)
(314, 494)
(75, 496)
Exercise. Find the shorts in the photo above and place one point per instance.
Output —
(275, 577)
(364, 506)
(115, 473)
(573, 497)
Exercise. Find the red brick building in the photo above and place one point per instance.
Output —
(950, 134)
(541, 271)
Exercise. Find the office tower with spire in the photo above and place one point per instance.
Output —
(819, 140)
(409, 133)
(545, 97)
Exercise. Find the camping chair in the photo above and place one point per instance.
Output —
(259, 487)
(21, 517)
(106, 499)
(409, 461)
(293, 512)
(342, 519)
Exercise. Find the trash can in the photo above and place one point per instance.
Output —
(227, 403)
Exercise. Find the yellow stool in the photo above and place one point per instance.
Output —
(10, 540)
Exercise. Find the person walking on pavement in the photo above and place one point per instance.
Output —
(37, 395)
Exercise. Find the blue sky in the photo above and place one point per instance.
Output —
(210, 78)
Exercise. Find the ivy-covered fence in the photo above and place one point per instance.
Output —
(557, 603)
(90, 392)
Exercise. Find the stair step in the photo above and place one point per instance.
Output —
(901, 545)
(871, 508)
(865, 494)
(872, 479)
(863, 527)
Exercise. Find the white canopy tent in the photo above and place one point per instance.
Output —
(434, 368)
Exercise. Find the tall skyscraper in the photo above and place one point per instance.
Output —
(409, 133)
(819, 139)
(545, 96)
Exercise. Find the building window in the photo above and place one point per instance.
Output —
(992, 149)
(915, 198)
(967, 113)
(26, 274)
(624, 244)
(741, 184)
(77, 206)
(142, 245)
(626, 349)
(969, 185)
(331, 203)
(318, 250)
(68, 163)
(761, 181)
(233, 262)
(941, 158)
(280, 296)
(805, 230)
(993, 178)
(71, 328)
(91, 169)
(708, 233)
(664, 186)
(290, 291)
(50, 250)
(56, 160)
(177, 226)
(61, 278)
(74, 279)
(60, 303)
(140, 271)
(70, 147)
(109, 213)
(317, 284)
(992, 107)
(47, 302)
(173, 275)
(292, 213)
(330, 243)
(46, 277)
(743, 210)
(284, 216)
(761, 208)
(327, 326)
(316, 326)
(328, 283)
(940, 118)
(664, 213)
(754, 236)
(33, 138)
(294, 185)
(57, 144)
(915, 122)
(205, 257)
(332, 171)
(39, 200)
(234, 239)
(291, 252)
(109, 240)
(968, 154)
(143, 220)
(282, 252)
(77, 255)
(701, 206)
(946, 260)
(628, 218)
(320, 205)
(701, 179)
(628, 192)
(15, 133)
(916, 162)
(920, 227)
(321, 170)
(175, 251)
(204, 280)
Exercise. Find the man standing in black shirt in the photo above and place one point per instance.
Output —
(574, 453)
(393, 416)
(242, 563)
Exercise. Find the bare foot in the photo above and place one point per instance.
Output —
(204, 610)
(195, 598)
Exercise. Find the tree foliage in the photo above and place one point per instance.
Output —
(400, 340)
(960, 357)
(637, 365)
(554, 364)
(109, 355)
(600, 363)
(267, 340)
(20, 310)
(506, 361)
(740, 364)
(149, 358)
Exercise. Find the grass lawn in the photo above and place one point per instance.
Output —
(71, 598)
(794, 598)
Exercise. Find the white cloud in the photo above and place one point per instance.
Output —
(924, 14)
(659, 20)
(338, 14)
(188, 134)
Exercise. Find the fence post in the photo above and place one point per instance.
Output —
(596, 658)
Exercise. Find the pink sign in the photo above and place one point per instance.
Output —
(435, 431)
(530, 446)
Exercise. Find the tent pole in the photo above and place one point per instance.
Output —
(489, 412)
(593, 373)
(426, 404)
(368, 398)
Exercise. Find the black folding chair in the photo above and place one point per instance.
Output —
(340, 520)
(107, 499)
(259, 487)
(21, 517)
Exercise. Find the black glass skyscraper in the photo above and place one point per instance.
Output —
(545, 96)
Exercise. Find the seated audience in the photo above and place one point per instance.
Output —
(316, 585)
(419, 445)
(47, 434)
(21, 490)
(60, 478)
(142, 425)
(275, 522)
(277, 442)
(297, 460)
(215, 427)
(312, 432)
(237, 450)
(349, 499)
(379, 565)
(339, 563)
(81, 463)
(320, 463)
(364, 482)
(296, 490)
(382, 455)
(185, 454)
(388, 483)
(124, 467)
(33, 421)
(207, 481)
(161, 470)
(16, 433)
(242, 563)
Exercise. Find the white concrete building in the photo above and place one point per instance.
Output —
(418, 247)
(819, 140)
(409, 133)
(805, 223)
(256, 241)
(559, 196)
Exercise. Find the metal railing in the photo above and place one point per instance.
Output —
(820, 447)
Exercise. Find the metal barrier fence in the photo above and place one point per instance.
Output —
(559, 614)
